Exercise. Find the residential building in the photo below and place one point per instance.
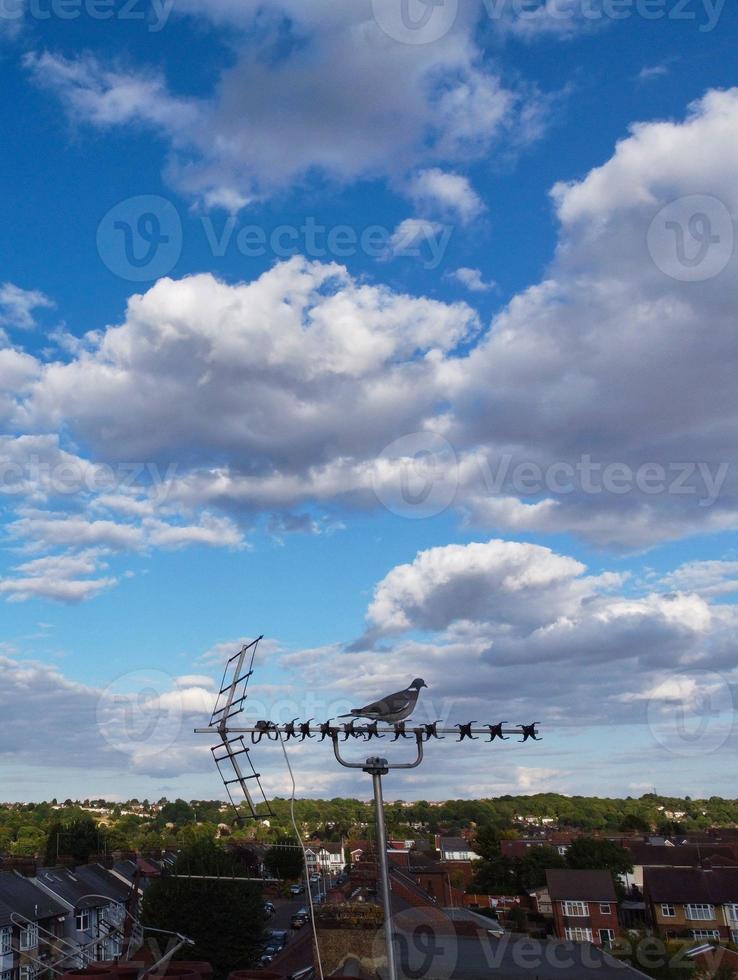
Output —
(456, 849)
(584, 905)
(328, 858)
(698, 902)
(94, 900)
(675, 856)
(30, 928)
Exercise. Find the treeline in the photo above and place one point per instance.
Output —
(36, 829)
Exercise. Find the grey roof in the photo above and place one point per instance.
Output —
(100, 881)
(580, 886)
(682, 856)
(26, 899)
(69, 887)
(511, 957)
(691, 885)
(454, 844)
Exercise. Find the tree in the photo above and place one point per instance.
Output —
(600, 855)
(225, 919)
(634, 822)
(78, 839)
(285, 859)
(530, 871)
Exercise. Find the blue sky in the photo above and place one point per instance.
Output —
(408, 344)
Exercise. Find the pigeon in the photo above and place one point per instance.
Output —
(394, 707)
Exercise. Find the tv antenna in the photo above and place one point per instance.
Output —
(230, 703)
(231, 755)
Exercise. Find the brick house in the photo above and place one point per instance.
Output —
(699, 902)
(584, 905)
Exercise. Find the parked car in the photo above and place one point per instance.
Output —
(315, 876)
(269, 909)
(298, 920)
(297, 889)
(278, 937)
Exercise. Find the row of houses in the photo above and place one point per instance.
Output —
(65, 918)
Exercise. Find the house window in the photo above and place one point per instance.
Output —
(731, 912)
(668, 911)
(607, 937)
(705, 934)
(576, 908)
(700, 912)
(82, 920)
(579, 935)
(28, 972)
(605, 908)
(5, 936)
(7, 975)
(29, 936)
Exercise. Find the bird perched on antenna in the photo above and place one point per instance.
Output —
(394, 707)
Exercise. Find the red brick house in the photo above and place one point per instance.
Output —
(584, 905)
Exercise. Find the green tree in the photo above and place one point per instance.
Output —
(530, 871)
(79, 839)
(634, 822)
(285, 859)
(600, 855)
(225, 919)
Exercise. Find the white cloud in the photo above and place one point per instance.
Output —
(448, 193)
(17, 305)
(353, 103)
(472, 279)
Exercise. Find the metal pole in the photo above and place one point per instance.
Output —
(376, 767)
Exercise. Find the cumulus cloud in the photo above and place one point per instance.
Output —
(283, 392)
(448, 193)
(353, 102)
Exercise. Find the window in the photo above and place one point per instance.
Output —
(28, 972)
(705, 934)
(668, 911)
(5, 935)
(579, 935)
(701, 912)
(576, 908)
(605, 908)
(29, 936)
(8, 975)
(731, 912)
(82, 920)
(607, 936)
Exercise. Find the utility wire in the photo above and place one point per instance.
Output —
(304, 856)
